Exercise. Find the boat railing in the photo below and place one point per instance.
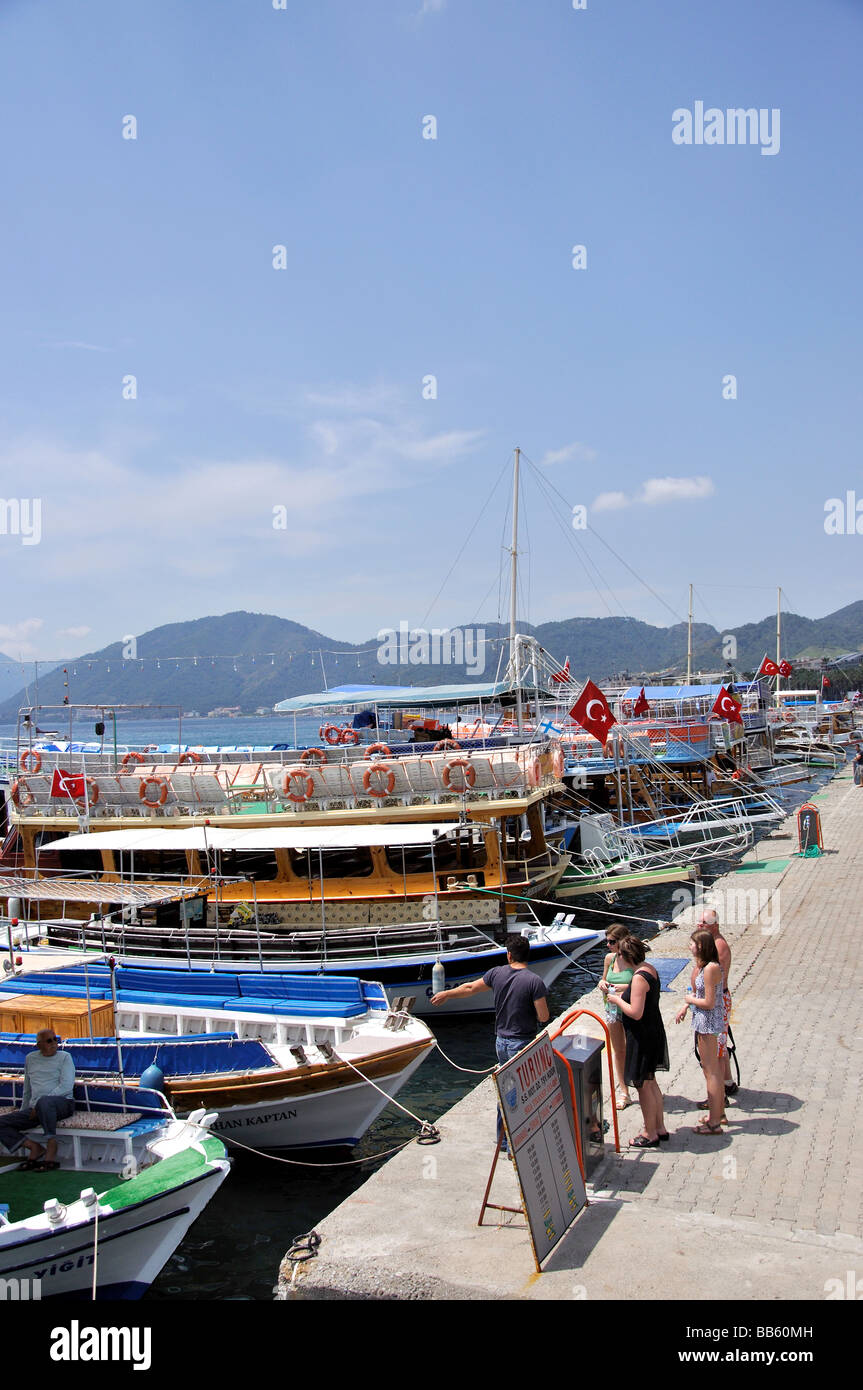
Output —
(167, 790)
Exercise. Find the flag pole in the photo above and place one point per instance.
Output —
(778, 642)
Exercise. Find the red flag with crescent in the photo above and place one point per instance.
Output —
(562, 676)
(767, 668)
(785, 668)
(641, 706)
(592, 712)
(67, 784)
(726, 707)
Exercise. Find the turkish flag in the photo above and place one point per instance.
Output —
(767, 668)
(562, 676)
(825, 681)
(785, 668)
(591, 711)
(641, 706)
(67, 784)
(726, 707)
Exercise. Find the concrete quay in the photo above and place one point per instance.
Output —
(769, 1210)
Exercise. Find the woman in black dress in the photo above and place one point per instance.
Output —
(646, 1046)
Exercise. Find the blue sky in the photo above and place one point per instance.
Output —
(302, 387)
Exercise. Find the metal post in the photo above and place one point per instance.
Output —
(257, 924)
(323, 903)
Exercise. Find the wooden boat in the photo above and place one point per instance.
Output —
(132, 1180)
(286, 1062)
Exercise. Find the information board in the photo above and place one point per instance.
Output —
(542, 1143)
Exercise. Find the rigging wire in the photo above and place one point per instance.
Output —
(467, 541)
(582, 558)
(620, 558)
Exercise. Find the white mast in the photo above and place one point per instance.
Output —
(689, 643)
(513, 639)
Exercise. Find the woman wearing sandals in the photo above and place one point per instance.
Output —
(646, 1046)
(616, 972)
(708, 1021)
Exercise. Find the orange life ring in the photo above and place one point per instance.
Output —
(133, 758)
(381, 748)
(735, 776)
(469, 773)
(445, 743)
(349, 736)
(25, 760)
(93, 798)
(307, 783)
(189, 758)
(787, 716)
(145, 782)
(317, 753)
(331, 734)
(19, 790)
(375, 771)
(558, 762)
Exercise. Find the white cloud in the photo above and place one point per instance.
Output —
(656, 492)
(610, 501)
(570, 453)
(84, 347)
(73, 631)
(15, 638)
(430, 7)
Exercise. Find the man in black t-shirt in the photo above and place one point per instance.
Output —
(520, 1002)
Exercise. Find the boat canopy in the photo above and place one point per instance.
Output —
(206, 838)
(91, 890)
(672, 692)
(402, 696)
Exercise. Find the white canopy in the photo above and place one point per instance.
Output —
(205, 838)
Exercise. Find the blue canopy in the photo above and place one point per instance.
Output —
(398, 696)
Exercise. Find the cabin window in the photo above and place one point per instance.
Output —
(338, 863)
(155, 863)
(257, 864)
(68, 861)
(448, 855)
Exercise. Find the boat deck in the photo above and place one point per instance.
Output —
(26, 1193)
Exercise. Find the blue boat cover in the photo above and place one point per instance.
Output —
(309, 995)
(174, 1056)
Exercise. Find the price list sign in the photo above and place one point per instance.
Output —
(542, 1144)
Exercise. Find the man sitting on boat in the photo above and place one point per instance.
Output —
(49, 1083)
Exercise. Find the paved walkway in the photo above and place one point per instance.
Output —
(772, 1209)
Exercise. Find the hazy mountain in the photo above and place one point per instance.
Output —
(252, 660)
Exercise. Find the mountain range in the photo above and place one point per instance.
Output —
(253, 660)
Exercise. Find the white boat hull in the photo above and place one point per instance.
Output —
(331, 1119)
